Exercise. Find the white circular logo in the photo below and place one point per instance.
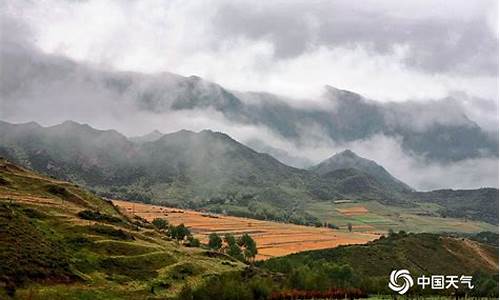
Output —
(396, 277)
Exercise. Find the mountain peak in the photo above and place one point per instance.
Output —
(71, 125)
(150, 137)
(347, 159)
(348, 153)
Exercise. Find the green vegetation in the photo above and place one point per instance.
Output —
(420, 253)
(243, 248)
(179, 232)
(160, 223)
(114, 257)
(97, 216)
(486, 237)
(422, 217)
(214, 241)
(211, 171)
(48, 251)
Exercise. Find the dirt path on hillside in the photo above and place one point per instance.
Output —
(481, 253)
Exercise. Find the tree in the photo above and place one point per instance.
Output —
(229, 239)
(192, 241)
(235, 251)
(214, 241)
(178, 232)
(249, 244)
(160, 223)
(232, 248)
(349, 227)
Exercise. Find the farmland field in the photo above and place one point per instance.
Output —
(373, 216)
(273, 238)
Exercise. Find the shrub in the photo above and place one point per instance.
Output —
(160, 223)
(112, 232)
(214, 241)
(193, 242)
(97, 216)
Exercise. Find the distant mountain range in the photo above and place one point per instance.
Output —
(436, 130)
(210, 170)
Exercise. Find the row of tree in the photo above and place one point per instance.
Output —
(179, 233)
(243, 248)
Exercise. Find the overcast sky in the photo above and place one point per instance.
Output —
(386, 50)
(417, 50)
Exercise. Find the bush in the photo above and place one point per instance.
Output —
(193, 242)
(97, 216)
(112, 232)
(178, 232)
(214, 241)
(233, 286)
(160, 223)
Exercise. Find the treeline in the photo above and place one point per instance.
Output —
(242, 248)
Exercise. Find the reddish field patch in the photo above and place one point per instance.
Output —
(353, 211)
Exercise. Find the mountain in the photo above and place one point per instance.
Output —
(422, 128)
(206, 169)
(210, 170)
(58, 240)
(280, 154)
(349, 160)
(150, 137)
(70, 151)
(478, 204)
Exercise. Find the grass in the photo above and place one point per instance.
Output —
(49, 252)
(380, 217)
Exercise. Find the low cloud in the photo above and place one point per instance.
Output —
(48, 87)
(385, 50)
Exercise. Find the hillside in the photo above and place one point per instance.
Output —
(210, 170)
(101, 253)
(479, 204)
(50, 250)
(206, 169)
(419, 253)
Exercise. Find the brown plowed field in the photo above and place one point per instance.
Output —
(273, 238)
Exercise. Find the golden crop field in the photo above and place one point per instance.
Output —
(273, 238)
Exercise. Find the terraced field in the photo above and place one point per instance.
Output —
(48, 251)
(371, 216)
(273, 239)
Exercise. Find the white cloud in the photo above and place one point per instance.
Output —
(180, 37)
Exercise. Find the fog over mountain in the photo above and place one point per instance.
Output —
(444, 137)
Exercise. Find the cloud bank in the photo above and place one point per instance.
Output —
(385, 50)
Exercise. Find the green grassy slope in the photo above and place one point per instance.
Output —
(48, 252)
(369, 265)
(420, 253)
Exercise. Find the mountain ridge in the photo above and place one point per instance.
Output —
(209, 170)
(434, 137)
